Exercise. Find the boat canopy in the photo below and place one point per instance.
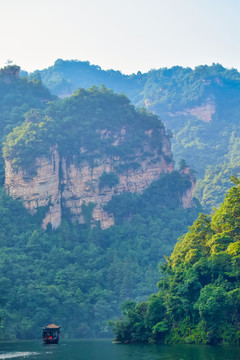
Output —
(52, 327)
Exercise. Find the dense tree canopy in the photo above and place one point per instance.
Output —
(77, 126)
(216, 181)
(78, 276)
(199, 292)
(17, 96)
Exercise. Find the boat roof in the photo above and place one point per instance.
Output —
(52, 326)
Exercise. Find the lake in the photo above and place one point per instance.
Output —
(105, 350)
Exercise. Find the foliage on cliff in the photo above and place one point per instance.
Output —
(199, 292)
(77, 276)
(86, 123)
(17, 96)
(216, 181)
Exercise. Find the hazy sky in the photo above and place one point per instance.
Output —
(126, 35)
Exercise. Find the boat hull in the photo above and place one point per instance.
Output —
(50, 341)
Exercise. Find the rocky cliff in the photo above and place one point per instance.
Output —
(99, 147)
(204, 112)
(60, 184)
(10, 72)
(186, 199)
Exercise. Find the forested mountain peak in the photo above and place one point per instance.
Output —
(86, 149)
(65, 76)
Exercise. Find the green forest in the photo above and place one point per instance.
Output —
(199, 292)
(77, 276)
(76, 122)
(17, 97)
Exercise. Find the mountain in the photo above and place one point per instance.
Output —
(73, 168)
(200, 107)
(83, 151)
(66, 76)
(198, 298)
(96, 202)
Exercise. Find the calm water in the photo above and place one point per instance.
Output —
(105, 350)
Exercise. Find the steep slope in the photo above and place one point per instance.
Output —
(198, 299)
(85, 150)
(17, 96)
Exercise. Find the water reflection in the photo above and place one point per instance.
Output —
(180, 352)
(105, 350)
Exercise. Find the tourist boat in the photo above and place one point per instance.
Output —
(51, 334)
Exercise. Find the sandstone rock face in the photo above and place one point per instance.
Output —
(41, 189)
(62, 184)
(204, 112)
(187, 196)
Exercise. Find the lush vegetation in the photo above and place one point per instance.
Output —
(17, 96)
(108, 180)
(199, 291)
(212, 187)
(83, 126)
(77, 276)
(66, 76)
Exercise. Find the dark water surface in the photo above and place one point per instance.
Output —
(105, 350)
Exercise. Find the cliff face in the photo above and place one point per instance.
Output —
(72, 185)
(99, 146)
(39, 190)
(204, 112)
(8, 73)
(186, 199)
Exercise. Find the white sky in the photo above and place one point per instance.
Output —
(125, 35)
